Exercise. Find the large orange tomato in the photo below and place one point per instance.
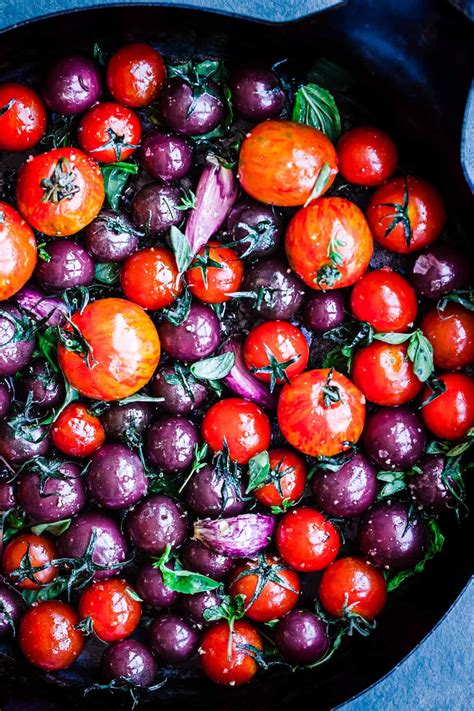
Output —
(329, 244)
(17, 251)
(321, 412)
(110, 351)
(280, 162)
(60, 192)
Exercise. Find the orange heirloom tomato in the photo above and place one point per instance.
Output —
(17, 251)
(351, 584)
(223, 656)
(60, 192)
(451, 333)
(329, 244)
(112, 352)
(135, 74)
(48, 635)
(384, 299)
(280, 162)
(215, 272)
(321, 412)
(451, 414)
(29, 551)
(22, 117)
(150, 278)
(109, 132)
(384, 374)
(406, 214)
(76, 432)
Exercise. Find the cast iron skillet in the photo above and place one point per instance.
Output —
(413, 62)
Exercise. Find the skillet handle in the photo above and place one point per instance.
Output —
(467, 140)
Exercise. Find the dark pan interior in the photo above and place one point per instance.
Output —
(413, 65)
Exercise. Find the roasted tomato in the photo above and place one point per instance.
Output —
(321, 412)
(226, 655)
(352, 586)
(406, 214)
(329, 244)
(17, 251)
(109, 132)
(60, 192)
(22, 117)
(150, 278)
(307, 540)
(286, 479)
(215, 272)
(112, 607)
(110, 350)
(281, 161)
(367, 156)
(384, 374)
(270, 589)
(451, 333)
(135, 74)
(241, 424)
(384, 299)
(76, 432)
(450, 414)
(276, 351)
(48, 635)
(27, 561)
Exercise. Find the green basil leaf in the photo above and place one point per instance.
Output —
(321, 183)
(231, 608)
(420, 352)
(178, 312)
(316, 107)
(133, 595)
(436, 542)
(214, 368)
(183, 581)
(107, 273)
(55, 528)
(46, 592)
(392, 338)
(181, 248)
(259, 469)
(47, 344)
(116, 176)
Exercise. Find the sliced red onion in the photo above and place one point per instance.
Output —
(240, 380)
(41, 306)
(216, 193)
(238, 536)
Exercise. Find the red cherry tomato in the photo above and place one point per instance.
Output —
(352, 585)
(276, 351)
(451, 414)
(451, 333)
(22, 117)
(60, 192)
(270, 589)
(306, 540)
(384, 299)
(329, 244)
(384, 374)
(150, 278)
(135, 74)
(48, 636)
(215, 272)
(76, 432)
(286, 480)
(406, 214)
(321, 412)
(367, 156)
(109, 132)
(237, 667)
(113, 351)
(280, 162)
(242, 424)
(17, 251)
(23, 554)
(113, 608)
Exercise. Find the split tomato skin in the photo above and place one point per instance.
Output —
(22, 117)
(367, 156)
(242, 424)
(150, 278)
(351, 583)
(292, 471)
(48, 636)
(41, 551)
(124, 350)
(60, 192)
(76, 432)
(419, 222)
(280, 162)
(384, 374)
(306, 540)
(240, 667)
(329, 226)
(216, 283)
(112, 607)
(285, 342)
(109, 132)
(135, 74)
(451, 414)
(451, 333)
(386, 300)
(18, 251)
(316, 426)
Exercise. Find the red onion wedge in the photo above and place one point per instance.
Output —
(40, 306)
(238, 536)
(240, 380)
